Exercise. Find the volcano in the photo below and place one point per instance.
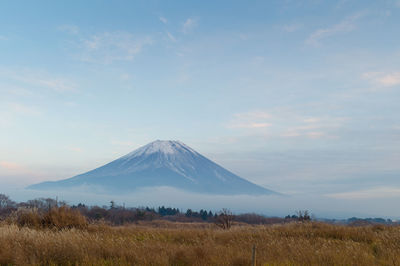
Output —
(159, 164)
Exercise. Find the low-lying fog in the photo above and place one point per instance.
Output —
(321, 206)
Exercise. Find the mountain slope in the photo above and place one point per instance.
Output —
(160, 163)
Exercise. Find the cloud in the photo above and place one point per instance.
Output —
(283, 123)
(312, 127)
(188, 25)
(347, 25)
(250, 120)
(74, 149)
(109, 47)
(9, 165)
(312, 120)
(163, 20)
(292, 27)
(37, 79)
(372, 193)
(71, 29)
(3, 38)
(383, 79)
(171, 37)
(315, 134)
(13, 168)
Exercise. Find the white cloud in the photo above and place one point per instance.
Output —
(3, 38)
(74, 149)
(292, 27)
(188, 25)
(9, 165)
(36, 78)
(383, 79)
(315, 134)
(112, 46)
(312, 120)
(71, 29)
(372, 193)
(390, 79)
(251, 125)
(312, 127)
(13, 168)
(250, 120)
(288, 124)
(171, 37)
(163, 20)
(347, 25)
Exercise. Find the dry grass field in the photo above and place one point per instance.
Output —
(166, 243)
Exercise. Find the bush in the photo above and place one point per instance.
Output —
(56, 218)
(64, 217)
(29, 217)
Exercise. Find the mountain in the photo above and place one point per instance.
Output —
(160, 164)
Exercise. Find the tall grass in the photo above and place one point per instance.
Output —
(55, 218)
(164, 243)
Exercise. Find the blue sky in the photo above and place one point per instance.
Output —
(298, 96)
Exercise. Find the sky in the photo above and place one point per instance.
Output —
(301, 97)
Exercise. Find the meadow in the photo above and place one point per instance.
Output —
(174, 243)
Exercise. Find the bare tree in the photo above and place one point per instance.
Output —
(303, 216)
(224, 219)
(6, 202)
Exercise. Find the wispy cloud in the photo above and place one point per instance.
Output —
(250, 120)
(313, 127)
(71, 29)
(347, 25)
(288, 124)
(292, 27)
(383, 79)
(3, 38)
(171, 37)
(9, 165)
(112, 46)
(13, 168)
(163, 20)
(188, 25)
(38, 79)
(74, 149)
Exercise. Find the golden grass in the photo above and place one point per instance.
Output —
(56, 218)
(164, 243)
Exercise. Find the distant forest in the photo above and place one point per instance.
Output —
(115, 214)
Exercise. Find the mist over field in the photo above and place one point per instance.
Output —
(321, 206)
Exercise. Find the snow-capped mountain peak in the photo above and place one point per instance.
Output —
(161, 163)
(162, 146)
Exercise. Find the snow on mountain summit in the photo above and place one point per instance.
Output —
(162, 146)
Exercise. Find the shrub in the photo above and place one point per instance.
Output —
(29, 217)
(56, 218)
(64, 217)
